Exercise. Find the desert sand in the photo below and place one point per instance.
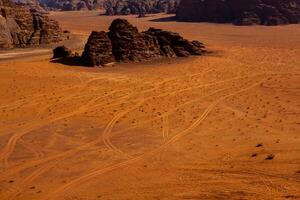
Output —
(221, 126)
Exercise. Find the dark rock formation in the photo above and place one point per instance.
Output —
(32, 4)
(98, 50)
(22, 27)
(240, 12)
(139, 7)
(123, 43)
(130, 45)
(61, 52)
(173, 45)
(70, 5)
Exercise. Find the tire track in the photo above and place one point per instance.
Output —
(25, 166)
(109, 128)
(10, 146)
(125, 163)
(165, 130)
(39, 154)
(110, 125)
(37, 97)
(41, 170)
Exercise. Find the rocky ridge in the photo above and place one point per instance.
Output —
(31, 4)
(245, 12)
(71, 5)
(139, 7)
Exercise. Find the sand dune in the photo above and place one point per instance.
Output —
(220, 126)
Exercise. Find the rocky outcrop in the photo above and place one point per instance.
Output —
(245, 12)
(124, 43)
(139, 7)
(71, 5)
(130, 45)
(31, 4)
(22, 27)
(98, 50)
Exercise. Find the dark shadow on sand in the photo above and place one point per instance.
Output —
(164, 19)
(70, 61)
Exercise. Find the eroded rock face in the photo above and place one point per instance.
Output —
(240, 12)
(173, 45)
(130, 45)
(22, 27)
(124, 43)
(98, 50)
(139, 7)
(71, 5)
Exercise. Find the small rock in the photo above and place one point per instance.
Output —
(259, 145)
(270, 157)
(254, 155)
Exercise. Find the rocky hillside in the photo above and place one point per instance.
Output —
(141, 7)
(70, 5)
(240, 12)
(22, 27)
(32, 4)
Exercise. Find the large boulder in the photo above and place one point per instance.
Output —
(124, 43)
(246, 12)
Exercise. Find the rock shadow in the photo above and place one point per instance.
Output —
(69, 61)
(164, 19)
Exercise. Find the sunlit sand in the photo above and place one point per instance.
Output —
(220, 126)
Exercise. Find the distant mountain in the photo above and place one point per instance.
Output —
(240, 12)
(141, 7)
(69, 5)
(32, 4)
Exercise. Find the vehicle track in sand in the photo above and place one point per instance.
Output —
(58, 156)
(165, 127)
(39, 154)
(10, 146)
(109, 127)
(160, 95)
(33, 100)
(172, 140)
(6, 152)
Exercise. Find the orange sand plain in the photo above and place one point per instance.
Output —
(221, 126)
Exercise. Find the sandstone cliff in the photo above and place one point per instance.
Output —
(22, 27)
(71, 5)
(240, 12)
(141, 7)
